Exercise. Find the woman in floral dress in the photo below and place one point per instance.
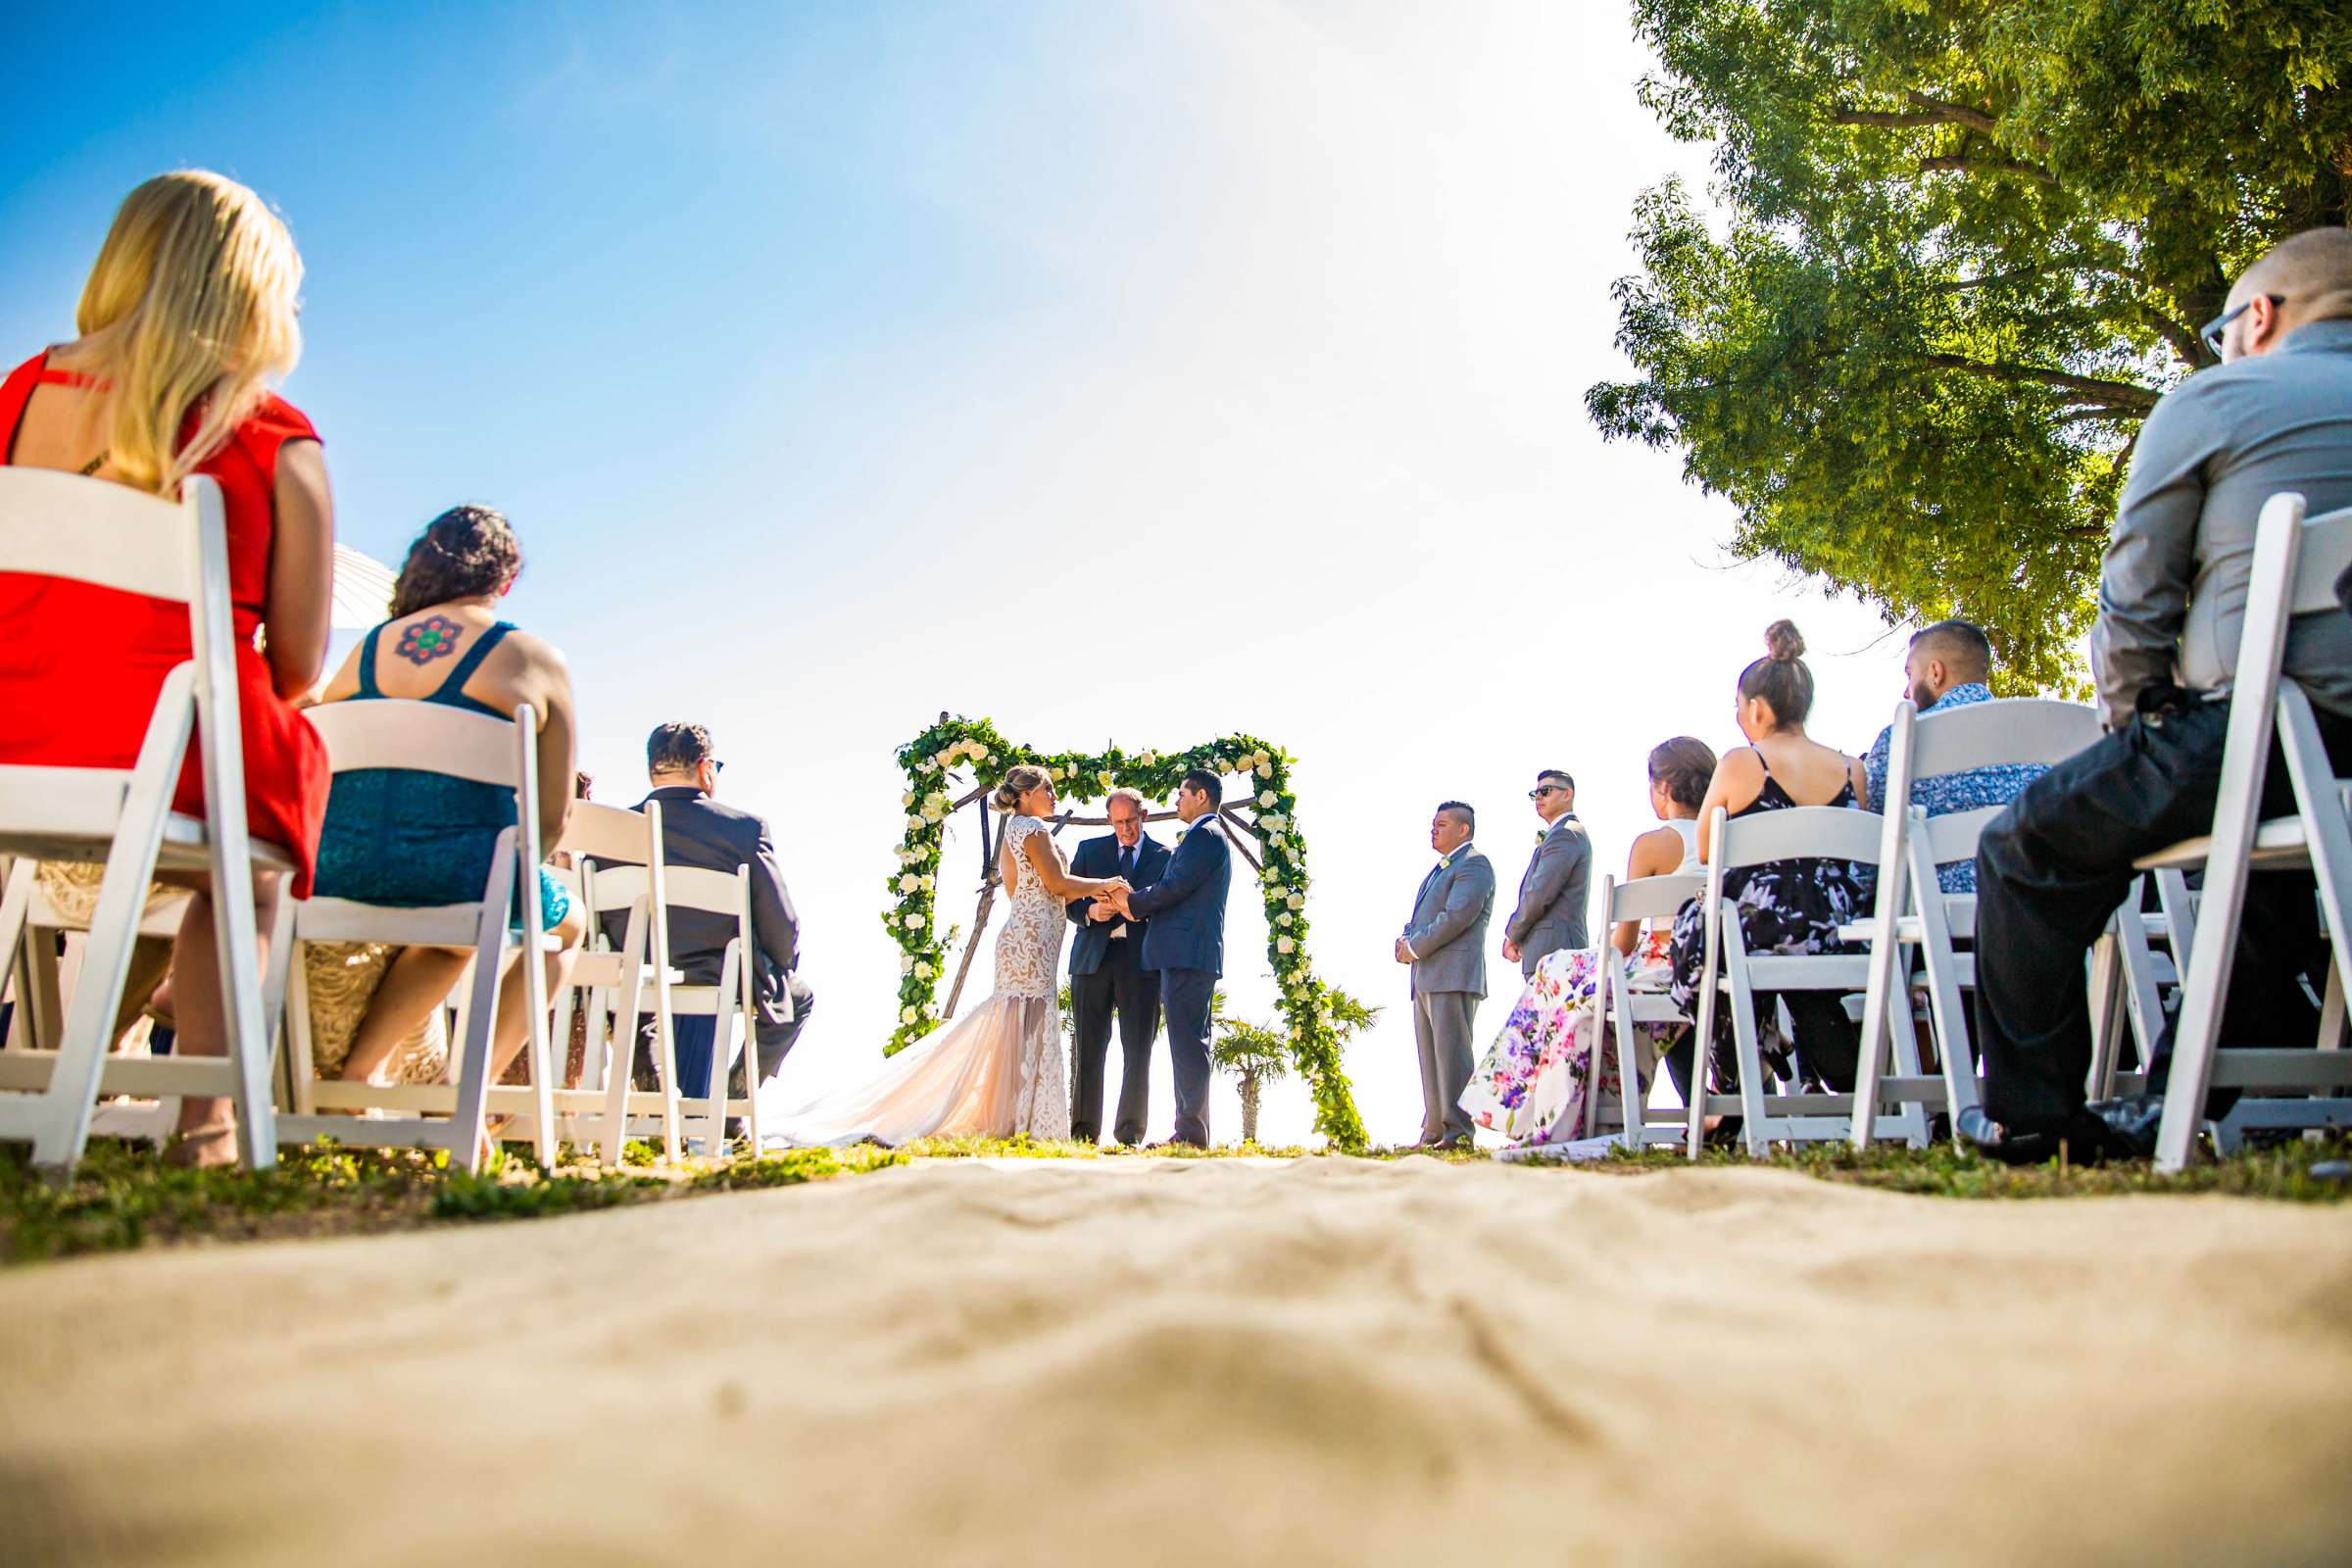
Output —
(1553, 1052)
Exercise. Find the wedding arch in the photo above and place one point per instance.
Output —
(958, 761)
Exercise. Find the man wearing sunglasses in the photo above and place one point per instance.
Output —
(702, 831)
(1553, 892)
(2276, 415)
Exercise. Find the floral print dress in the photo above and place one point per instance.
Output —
(1554, 1053)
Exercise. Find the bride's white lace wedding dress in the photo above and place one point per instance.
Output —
(995, 1072)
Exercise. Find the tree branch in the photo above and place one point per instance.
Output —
(1964, 164)
(1923, 110)
(2123, 395)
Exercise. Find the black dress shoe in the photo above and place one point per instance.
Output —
(2130, 1124)
(2083, 1140)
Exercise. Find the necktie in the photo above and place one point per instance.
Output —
(1127, 860)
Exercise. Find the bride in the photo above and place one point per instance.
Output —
(999, 1070)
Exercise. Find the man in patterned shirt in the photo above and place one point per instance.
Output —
(1947, 668)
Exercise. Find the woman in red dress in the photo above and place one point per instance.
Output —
(188, 314)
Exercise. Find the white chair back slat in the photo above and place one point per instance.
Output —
(610, 835)
(2005, 732)
(2325, 556)
(58, 524)
(1804, 832)
(428, 737)
(1954, 836)
(1651, 898)
(689, 887)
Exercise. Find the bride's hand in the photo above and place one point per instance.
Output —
(1112, 887)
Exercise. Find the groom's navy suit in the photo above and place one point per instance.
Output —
(1186, 944)
(1108, 975)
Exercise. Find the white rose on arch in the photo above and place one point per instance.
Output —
(1265, 796)
(909, 1015)
(916, 824)
(923, 972)
(914, 922)
(1285, 917)
(906, 964)
(1285, 945)
(909, 882)
(1297, 901)
(1264, 770)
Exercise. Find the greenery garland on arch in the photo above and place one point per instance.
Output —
(975, 748)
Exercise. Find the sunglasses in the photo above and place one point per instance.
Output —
(2212, 330)
(1542, 790)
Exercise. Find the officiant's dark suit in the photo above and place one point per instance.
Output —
(1107, 976)
(1186, 944)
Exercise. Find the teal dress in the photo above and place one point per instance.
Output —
(405, 839)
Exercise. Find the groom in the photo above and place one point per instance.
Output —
(1108, 976)
(1186, 942)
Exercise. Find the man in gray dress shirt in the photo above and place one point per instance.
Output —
(1446, 942)
(1553, 892)
(2275, 416)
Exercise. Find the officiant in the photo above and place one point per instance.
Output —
(1107, 976)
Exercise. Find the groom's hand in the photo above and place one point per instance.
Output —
(1510, 950)
(1101, 910)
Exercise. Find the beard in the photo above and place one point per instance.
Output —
(1923, 696)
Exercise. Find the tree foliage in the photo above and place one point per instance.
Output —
(1969, 243)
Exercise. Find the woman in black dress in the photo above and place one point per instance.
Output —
(1785, 907)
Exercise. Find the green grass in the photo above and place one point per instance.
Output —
(125, 1198)
(2283, 1173)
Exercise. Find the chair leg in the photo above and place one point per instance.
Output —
(1743, 1037)
(481, 1012)
(1703, 1033)
(747, 1008)
(105, 968)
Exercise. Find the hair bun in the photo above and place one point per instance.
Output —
(1782, 643)
(1006, 797)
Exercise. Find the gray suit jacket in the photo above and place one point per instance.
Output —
(1552, 894)
(1448, 929)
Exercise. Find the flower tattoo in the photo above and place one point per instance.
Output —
(434, 637)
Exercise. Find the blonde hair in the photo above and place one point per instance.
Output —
(1019, 780)
(191, 304)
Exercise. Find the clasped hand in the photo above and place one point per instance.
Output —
(1111, 902)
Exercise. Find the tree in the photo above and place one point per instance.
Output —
(1969, 244)
(1258, 1055)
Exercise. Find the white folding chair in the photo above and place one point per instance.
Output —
(618, 856)
(1644, 899)
(1913, 909)
(2296, 565)
(1732, 972)
(43, 980)
(731, 1004)
(390, 733)
(55, 524)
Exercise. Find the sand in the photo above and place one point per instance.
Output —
(1169, 1363)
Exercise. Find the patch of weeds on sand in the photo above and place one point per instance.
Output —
(792, 1166)
(1941, 1170)
(1022, 1146)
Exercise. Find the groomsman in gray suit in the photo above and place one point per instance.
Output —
(1446, 946)
(1553, 893)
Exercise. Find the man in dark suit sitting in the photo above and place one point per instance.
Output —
(1185, 943)
(700, 831)
(1108, 974)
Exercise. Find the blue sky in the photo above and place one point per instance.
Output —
(1119, 370)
